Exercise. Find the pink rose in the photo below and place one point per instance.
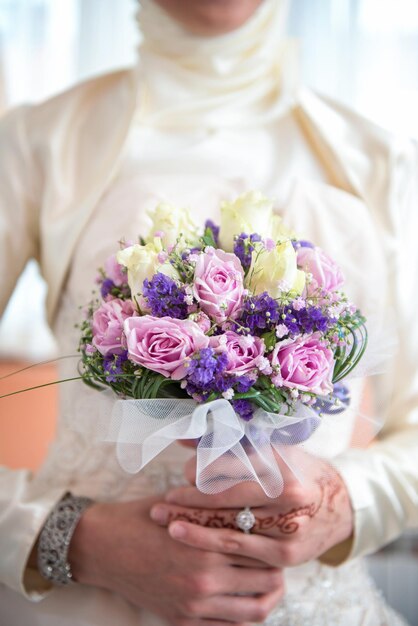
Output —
(114, 271)
(306, 364)
(163, 344)
(245, 353)
(202, 320)
(108, 325)
(326, 274)
(219, 284)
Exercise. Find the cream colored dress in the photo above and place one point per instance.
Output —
(80, 172)
(199, 179)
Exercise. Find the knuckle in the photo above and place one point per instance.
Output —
(296, 493)
(276, 554)
(189, 586)
(230, 541)
(277, 595)
(190, 608)
(207, 559)
(203, 585)
(260, 612)
(275, 581)
(303, 523)
(271, 601)
(290, 554)
(268, 603)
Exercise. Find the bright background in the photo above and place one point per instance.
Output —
(363, 52)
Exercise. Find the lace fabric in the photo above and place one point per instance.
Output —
(343, 596)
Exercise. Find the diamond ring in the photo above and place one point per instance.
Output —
(245, 520)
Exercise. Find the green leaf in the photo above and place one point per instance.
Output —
(265, 403)
(248, 395)
(270, 339)
(208, 238)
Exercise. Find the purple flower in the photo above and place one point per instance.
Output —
(205, 366)
(209, 225)
(207, 374)
(303, 321)
(243, 384)
(204, 374)
(106, 288)
(260, 314)
(244, 408)
(288, 318)
(225, 382)
(190, 253)
(334, 404)
(164, 297)
(312, 319)
(243, 248)
(113, 366)
(302, 244)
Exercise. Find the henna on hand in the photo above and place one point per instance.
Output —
(286, 523)
(302, 524)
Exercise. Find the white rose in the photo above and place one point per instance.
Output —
(249, 213)
(275, 271)
(172, 222)
(280, 231)
(143, 262)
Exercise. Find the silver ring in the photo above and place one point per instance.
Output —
(245, 520)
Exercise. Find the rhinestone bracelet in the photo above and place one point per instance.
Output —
(55, 538)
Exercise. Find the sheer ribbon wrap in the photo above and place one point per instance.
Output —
(229, 449)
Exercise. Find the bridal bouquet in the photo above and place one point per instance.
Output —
(237, 336)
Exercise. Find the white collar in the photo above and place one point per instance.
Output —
(245, 77)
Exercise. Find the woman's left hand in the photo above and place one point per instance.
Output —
(303, 523)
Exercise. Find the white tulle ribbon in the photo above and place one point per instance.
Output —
(230, 450)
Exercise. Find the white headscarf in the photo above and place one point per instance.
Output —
(243, 78)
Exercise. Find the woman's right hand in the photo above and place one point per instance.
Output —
(118, 547)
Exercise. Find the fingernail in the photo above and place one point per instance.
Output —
(159, 514)
(177, 530)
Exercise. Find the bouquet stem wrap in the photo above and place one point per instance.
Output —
(229, 450)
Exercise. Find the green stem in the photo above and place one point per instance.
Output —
(54, 382)
(28, 367)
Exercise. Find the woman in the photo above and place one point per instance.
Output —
(211, 111)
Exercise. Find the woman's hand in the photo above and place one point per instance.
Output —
(303, 523)
(118, 547)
